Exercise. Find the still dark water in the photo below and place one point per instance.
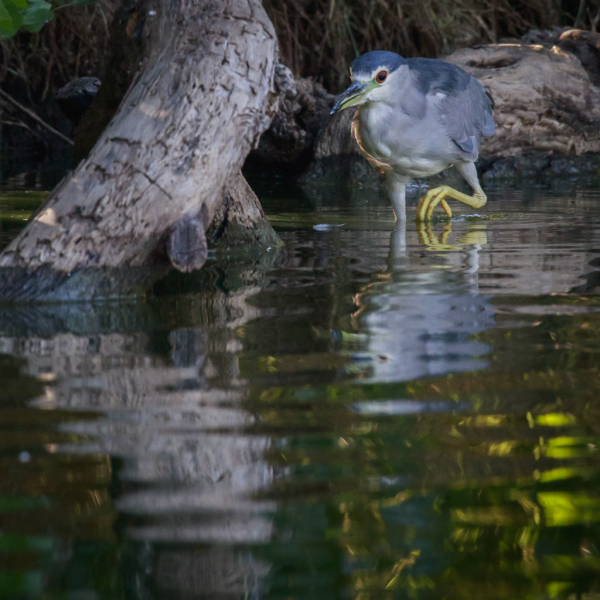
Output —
(368, 414)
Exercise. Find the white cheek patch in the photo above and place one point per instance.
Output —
(358, 78)
(440, 95)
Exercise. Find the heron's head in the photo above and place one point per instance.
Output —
(374, 77)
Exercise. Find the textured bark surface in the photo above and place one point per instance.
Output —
(203, 97)
(240, 221)
(186, 243)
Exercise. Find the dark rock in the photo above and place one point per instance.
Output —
(538, 166)
(77, 96)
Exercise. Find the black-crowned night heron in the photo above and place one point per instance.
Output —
(417, 117)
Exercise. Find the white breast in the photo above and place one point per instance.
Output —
(392, 140)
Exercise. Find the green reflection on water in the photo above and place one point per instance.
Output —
(15, 210)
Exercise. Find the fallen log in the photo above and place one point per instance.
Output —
(203, 95)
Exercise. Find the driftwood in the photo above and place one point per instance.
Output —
(204, 94)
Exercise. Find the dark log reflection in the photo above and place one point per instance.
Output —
(166, 407)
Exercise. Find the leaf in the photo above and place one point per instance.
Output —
(6, 21)
(9, 28)
(37, 15)
(22, 4)
(84, 2)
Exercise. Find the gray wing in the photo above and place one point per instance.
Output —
(467, 117)
(465, 107)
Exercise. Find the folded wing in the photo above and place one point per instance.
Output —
(465, 107)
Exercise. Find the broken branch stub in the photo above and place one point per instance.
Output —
(203, 96)
(186, 243)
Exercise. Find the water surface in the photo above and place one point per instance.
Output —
(372, 413)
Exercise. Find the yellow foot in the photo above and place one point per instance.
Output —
(437, 196)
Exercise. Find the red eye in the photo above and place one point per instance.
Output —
(381, 76)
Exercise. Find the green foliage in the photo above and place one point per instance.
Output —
(30, 15)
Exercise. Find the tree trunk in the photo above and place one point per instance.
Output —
(203, 96)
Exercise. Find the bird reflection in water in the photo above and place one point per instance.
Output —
(420, 321)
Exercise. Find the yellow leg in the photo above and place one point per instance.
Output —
(437, 196)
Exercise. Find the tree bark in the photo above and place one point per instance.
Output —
(203, 96)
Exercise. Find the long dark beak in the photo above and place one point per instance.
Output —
(353, 95)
